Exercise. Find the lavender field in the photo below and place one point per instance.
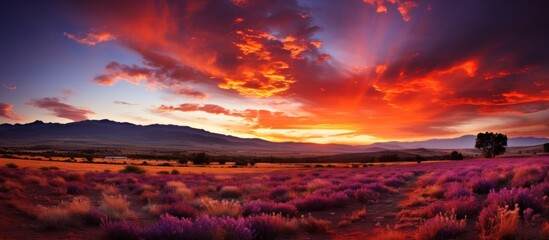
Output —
(470, 199)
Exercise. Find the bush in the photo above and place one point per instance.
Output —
(367, 195)
(481, 185)
(455, 155)
(271, 226)
(116, 207)
(64, 214)
(314, 225)
(133, 169)
(522, 197)
(317, 202)
(181, 210)
(200, 158)
(121, 230)
(12, 165)
(77, 188)
(501, 223)
(229, 208)
(259, 207)
(230, 192)
(442, 226)
(169, 227)
(546, 147)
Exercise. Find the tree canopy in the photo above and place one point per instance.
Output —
(491, 144)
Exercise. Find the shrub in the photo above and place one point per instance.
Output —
(272, 226)
(442, 226)
(279, 194)
(259, 207)
(121, 230)
(481, 185)
(229, 208)
(394, 182)
(181, 210)
(95, 217)
(77, 188)
(367, 195)
(200, 158)
(10, 185)
(317, 184)
(133, 169)
(116, 207)
(504, 224)
(64, 214)
(376, 187)
(58, 182)
(169, 227)
(314, 225)
(11, 165)
(175, 172)
(41, 181)
(522, 197)
(526, 176)
(179, 190)
(455, 190)
(230, 192)
(462, 207)
(317, 202)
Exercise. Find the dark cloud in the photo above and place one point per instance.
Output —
(60, 109)
(124, 103)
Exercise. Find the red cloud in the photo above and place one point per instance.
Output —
(61, 109)
(403, 6)
(91, 38)
(6, 111)
(420, 80)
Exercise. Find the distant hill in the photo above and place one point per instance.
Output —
(110, 134)
(466, 141)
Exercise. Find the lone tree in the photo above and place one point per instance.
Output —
(491, 144)
(546, 147)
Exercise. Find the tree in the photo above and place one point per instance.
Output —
(200, 158)
(546, 147)
(455, 155)
(491, 144)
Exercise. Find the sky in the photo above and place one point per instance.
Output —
(352, 72)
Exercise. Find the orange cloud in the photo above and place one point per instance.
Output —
(403, 6)
(91, 38)
(420, 81)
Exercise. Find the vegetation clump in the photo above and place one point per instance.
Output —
(133, 169)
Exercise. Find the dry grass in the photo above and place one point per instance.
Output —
(505, 225)
(354, 217)
(180, 190)
(317, 184)
(116, 207)
(65, 214)
(231, 208)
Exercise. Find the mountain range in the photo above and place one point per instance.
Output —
(111, 134)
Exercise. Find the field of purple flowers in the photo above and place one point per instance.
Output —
(470, 199)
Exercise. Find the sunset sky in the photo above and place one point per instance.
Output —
(324, 71)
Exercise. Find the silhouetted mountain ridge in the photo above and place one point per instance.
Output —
(107, 133)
